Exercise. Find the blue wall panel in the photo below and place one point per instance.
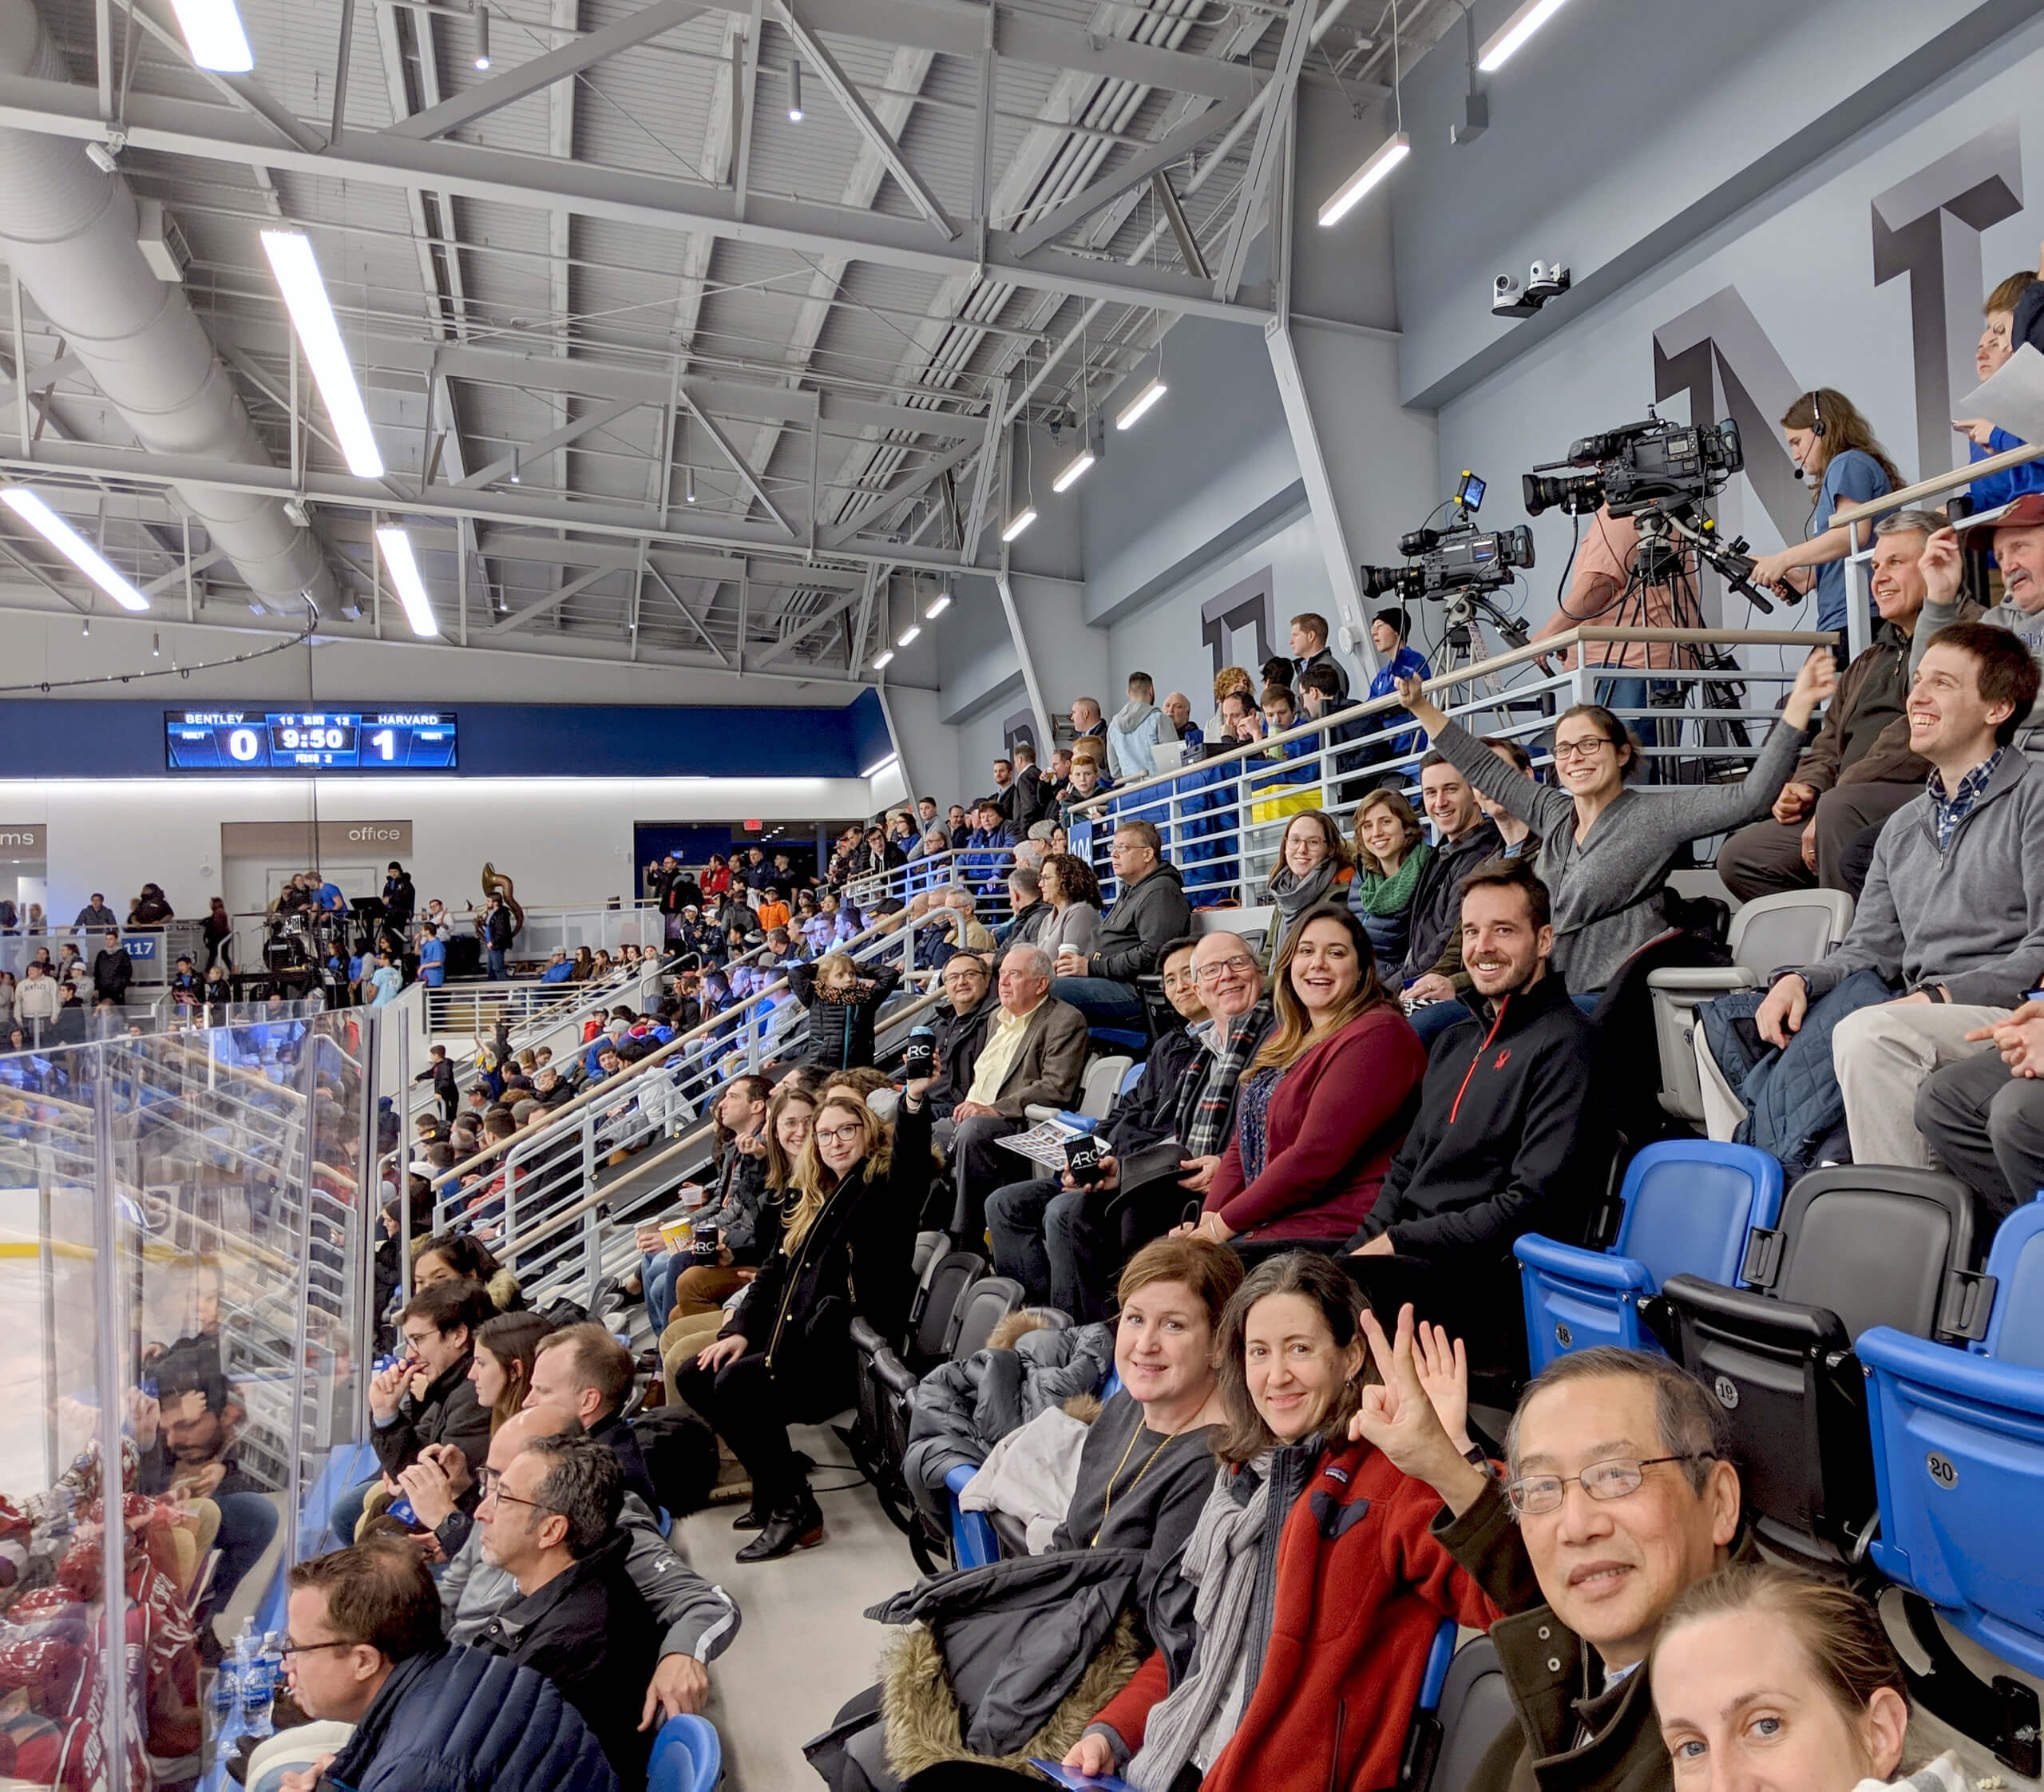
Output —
(71, 738)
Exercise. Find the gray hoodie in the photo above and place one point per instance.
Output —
(1970, 918)
(1136, 728)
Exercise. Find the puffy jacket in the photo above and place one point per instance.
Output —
(840, 1030)
(1359, 1588)
(989, 852)
(962, 1409)
(458, 1720)
(1143, 921)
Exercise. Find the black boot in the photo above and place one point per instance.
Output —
(753, 1518)
(795, 1523)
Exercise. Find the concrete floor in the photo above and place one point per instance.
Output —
(804, 1648)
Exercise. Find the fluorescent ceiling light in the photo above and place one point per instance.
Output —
(1075, 470)
(213, 33)
(883, 659)
(1503, 43)
(909, 634)
(397, 546)
(297, 270)
(1131, 412)
(482, 38)
(74, 547)
(1390, 152)
(887, 764)
(1018, 523)
(938, 605)
(794, 93)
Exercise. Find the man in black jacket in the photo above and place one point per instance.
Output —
(969, 987)
(1149, 912)
(112, 969)
(583, 1370)
(496, 933)
(1019, 1214)
(1465, 840)
(550, 1520)
(428, 1398)
(1509, 1138)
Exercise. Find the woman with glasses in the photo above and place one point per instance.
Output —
(1320, 1583)
(1314, 866)
(1325, 1102)
(785, 1355)
(1605, 848)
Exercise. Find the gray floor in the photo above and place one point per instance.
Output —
(804, 1648)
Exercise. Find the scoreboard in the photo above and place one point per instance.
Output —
(309, 740)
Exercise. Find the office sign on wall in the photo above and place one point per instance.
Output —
(334, 841)
(24, 839)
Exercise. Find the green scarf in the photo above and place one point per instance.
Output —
(1372, 894)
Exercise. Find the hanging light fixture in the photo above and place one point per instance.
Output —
(1076, 468)
(518, 468)
(1505, 41)
(482, 38)
(1387, 155)
(938, 605)
(883, 659)
(688, 484)
(795, 91)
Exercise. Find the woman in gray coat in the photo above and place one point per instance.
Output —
(1074, 894)
(1605, 848)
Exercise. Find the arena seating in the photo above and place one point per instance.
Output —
(1857, 1246)
(1688, 1205)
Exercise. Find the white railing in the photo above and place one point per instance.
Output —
(1223, 819)
(607, 926)
(154, 950)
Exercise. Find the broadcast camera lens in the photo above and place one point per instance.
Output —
(1546, 491)
(1378, 580)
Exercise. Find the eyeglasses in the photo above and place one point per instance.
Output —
(1237, 966)
(1587, 748)
(290, 1649)
(491, 1481)
(1532, 1496)
(840, 1135)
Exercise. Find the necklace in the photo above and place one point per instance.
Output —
(1107, 1505)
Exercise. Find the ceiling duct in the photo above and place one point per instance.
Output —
(70, 233)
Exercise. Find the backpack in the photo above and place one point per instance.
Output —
(681, 1456)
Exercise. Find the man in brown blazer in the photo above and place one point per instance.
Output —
(1034, 1050)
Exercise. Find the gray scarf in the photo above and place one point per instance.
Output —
(1294, 894)
(1221, 1559)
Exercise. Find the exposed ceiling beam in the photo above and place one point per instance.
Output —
(738, 461)
(515, 509)
(1263, 153)
(689, 615)
(869, 126)
(1167, 203)
(187, 128)
(787, 643)
(153, 17)
(551, 601)
(573, 431)
(893, 497)
(184, 569)
(982, 481)
(1173, 146)
(563, 63)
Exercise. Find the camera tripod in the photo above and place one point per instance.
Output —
(1476, 630)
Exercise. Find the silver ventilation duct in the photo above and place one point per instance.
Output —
(69, 233)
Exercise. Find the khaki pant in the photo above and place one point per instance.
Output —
(1882, 1055)
(684, 1340)
(704, 1289)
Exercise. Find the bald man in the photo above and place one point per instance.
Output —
(699, 1619)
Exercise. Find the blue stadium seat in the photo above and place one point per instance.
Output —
(1423, 1733)
(688, 1756)
(974, 1542)
(1958, 1457)
(1688, 1206)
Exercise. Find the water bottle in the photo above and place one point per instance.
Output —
(232, 1675)
(258, 1686)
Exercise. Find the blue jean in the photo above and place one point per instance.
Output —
(1104, 1002)
(348, 1509)
(497, 972)
(247, 1523)
(657, 1271)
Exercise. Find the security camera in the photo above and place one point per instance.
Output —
(102, 155)
(1548, 279)
(294, 509)
(1509, 300)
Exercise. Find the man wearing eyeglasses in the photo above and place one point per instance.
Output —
(363, 1646)
(1617, 1499)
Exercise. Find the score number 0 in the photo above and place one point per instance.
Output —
(245, 745)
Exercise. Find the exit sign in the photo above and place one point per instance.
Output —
(754, 826)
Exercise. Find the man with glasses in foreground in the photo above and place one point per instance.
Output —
(1617, 1498)
(363, 1646)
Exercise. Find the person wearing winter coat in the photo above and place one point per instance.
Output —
(996, 1687)
(1138, 726)
(1320, 1584)
(785, 1355)
(1149, 913)
(843, 1009)
(151, 909)
(427, 1718)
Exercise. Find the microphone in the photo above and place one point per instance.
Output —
(1799, 473)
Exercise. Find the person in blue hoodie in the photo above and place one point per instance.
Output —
(1998, 342)
(1396, 659)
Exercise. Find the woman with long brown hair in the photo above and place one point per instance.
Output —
(1831, 443)
(1325, 1102)
(1314, 866)
(502, 1370)
(1392, 853)
(785, 1355)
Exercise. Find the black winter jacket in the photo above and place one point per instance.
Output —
(1148, 1114)
(841, 1031)
(1437, 903)
(458, 1720)
(858, 1257)
(1512, 1138)
(448, 1414)
(959, 1037)
(1143, 921)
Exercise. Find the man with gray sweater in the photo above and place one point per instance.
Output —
(1949, 934)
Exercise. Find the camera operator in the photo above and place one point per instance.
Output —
(1832, 442)
(1597, 593)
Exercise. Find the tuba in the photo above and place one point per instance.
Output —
(495, 883)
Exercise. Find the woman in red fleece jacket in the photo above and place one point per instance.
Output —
(1320, 1584)
(1328, 1100)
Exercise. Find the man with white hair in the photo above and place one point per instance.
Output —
(1033, 1052)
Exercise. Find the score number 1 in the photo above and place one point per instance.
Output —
(385, 741)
